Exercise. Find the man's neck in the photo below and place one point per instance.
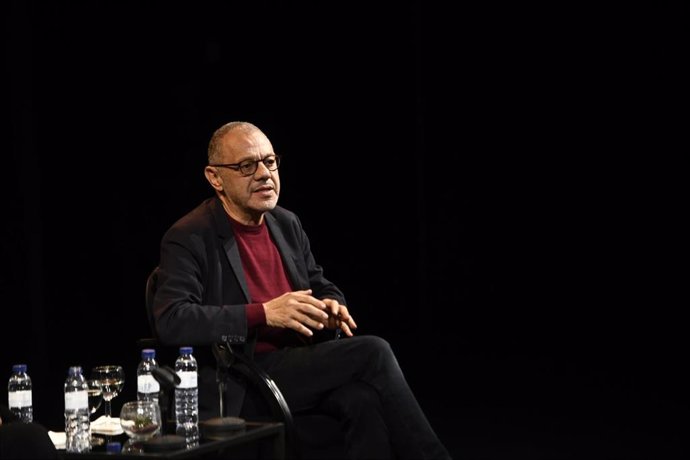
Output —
(244, 219)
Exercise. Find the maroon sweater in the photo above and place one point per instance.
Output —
(266, 280)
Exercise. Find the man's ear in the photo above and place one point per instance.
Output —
(213, 178)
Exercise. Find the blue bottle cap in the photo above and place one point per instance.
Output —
(74, 370)
(114, 447)
(186, 350)
(19, 368)
(148, 353)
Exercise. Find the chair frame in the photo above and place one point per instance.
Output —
(229, 362)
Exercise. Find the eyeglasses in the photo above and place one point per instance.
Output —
(248, 167)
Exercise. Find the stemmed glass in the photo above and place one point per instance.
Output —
(111, 379)
(95, 400)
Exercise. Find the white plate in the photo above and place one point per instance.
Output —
(110, 427)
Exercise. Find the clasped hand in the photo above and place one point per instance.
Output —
(300, 311)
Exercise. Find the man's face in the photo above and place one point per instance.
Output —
(248, 197)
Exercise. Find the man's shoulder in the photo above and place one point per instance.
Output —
(282, 214)
(198, 219)
(209, 217)
(285, 221)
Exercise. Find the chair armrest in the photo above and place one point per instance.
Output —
(237, 363)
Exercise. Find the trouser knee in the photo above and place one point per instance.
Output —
(352, 400)
(377, 354)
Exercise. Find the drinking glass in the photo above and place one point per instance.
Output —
(95, 400)
(140, 420)
(111, 379)
(95, 395)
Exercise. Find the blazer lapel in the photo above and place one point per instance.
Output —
(286, 254)
(233, 254)
(229, 245)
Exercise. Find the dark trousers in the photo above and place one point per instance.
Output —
(358, 381)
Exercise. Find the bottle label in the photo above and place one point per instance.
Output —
(20, 398)
(187, 379)
(75, 400)
(147, 384)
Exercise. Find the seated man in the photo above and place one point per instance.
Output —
(239, 269)
(23, 440)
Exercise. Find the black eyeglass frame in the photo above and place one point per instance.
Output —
(251, 164)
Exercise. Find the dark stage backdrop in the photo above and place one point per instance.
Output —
(469, 179)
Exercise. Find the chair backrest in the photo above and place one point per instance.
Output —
(151, 285)
(239, 365)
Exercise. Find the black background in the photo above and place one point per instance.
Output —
(495, 190)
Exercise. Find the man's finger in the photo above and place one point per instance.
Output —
(345, 328)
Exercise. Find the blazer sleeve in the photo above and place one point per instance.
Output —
(192, 305)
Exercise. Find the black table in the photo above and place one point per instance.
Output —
(256, 441)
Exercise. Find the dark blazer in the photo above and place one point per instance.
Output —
(202, 293)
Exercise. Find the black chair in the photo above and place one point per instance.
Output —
(309, 436)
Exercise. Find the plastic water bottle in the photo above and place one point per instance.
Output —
(77, 425)
(148, 387)
(19, 394)
(187, 397)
